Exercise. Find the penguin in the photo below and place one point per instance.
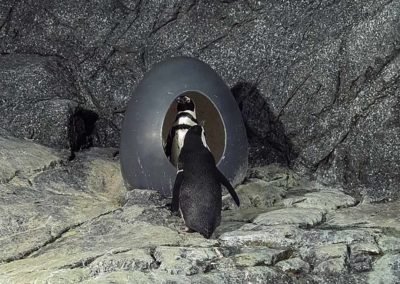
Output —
(197, 192)
(185, 118)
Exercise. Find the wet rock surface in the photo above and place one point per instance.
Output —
(73, 222)
(317, 81)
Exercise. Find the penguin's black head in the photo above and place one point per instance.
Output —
(193, 137)
(195, 130)
(184, 103)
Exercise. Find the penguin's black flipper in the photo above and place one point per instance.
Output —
(222, 179)
(176, 191)
(168, 146)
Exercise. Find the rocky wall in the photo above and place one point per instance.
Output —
(317, 81)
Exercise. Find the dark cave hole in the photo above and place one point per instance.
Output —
(81, 127)
(268, 142)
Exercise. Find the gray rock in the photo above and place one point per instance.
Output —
(306, 217)
(144, 198)
(331, 266)
(369, 248)
(345, 278)
(255, 193)
(49, 198)
(185, 261)
(23, 159)
(131, 260)
(293, 265)
(196, 240)
(384, 215)
(328, 258)
(324, 199)
(326, 252)
(291, 236)
(271, 236)
(386, 270)
(361, 262)
(362, 255)
(257, 274)
(67, 221)
(38, 98)
(80, 246)
(68, 276)
(388, 243)
(259, 256)
(275, 175)
(127, 277)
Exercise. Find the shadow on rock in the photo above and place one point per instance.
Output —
(268, 142)
(81, 129)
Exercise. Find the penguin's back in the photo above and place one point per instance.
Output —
(200, 197)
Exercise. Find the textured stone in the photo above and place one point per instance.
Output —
(384, 215)
(127, 277)
(306, 217)
(255, 193)
(291, 236)
(67, 276)
(196, 240)
(386, 270)
(73, 222)
(326, 258)
(55, 198)
(362, 256)
(331, 266)
(293, 265)
(322, 253)
(82, 245)
(324, 199)
(275, 175)
(271, 236)
(21, 158)
(143, 197)
(389, 243)
(365, 248)
(186, 261)
(43, 98)
(259, 256)
(30, 219)
(257, 274)
(314, 92)
(132, 260)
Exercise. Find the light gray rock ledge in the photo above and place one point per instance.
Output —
(73, 222)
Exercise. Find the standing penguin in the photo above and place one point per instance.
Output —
(197, 190)
(185, 118)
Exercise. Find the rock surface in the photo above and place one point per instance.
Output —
(68, 221)
(317, 81)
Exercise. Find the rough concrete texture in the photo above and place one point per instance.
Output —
(68, 221)
(316, 81)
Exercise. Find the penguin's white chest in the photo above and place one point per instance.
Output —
(179, 139)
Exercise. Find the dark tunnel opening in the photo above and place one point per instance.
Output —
(81, 128)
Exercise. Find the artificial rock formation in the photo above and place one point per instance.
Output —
(68, 221)
(317, 81)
